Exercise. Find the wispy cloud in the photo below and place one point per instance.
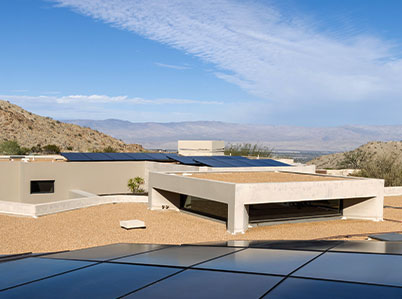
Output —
(271, 55)
(101, 99)
(171, 66)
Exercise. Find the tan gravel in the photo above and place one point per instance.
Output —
(97, 226)
(262, 177)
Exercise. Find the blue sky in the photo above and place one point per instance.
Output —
(288, 62)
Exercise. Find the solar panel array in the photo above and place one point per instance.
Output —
(88, 157)
(213, 161)
(233, 269)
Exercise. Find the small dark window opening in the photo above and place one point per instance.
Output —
(42, 187)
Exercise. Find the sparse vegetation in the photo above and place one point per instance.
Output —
(134, 185)
(29, 130)
(354, 159)
(109, 149)
(11, 147)
(247, 149)
(51, 149)
(384, 167)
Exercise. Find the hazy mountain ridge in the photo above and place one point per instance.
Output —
(165, 135)
(371, 150)
(29, 130)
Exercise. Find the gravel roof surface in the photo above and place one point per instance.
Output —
(262, 177)
(99, 225)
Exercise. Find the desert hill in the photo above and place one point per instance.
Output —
(371, 150)
(30, 130)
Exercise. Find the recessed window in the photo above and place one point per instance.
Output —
(294, 210)
(42, 187)
(209, 208)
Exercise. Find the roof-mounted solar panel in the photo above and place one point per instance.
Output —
(182, 159)
(268, 163)
(157, 157)
(118, 156)
(97, 156)
(209, 161)
(76, 157)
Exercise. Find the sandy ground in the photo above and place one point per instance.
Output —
(261, 177)
(97, 226)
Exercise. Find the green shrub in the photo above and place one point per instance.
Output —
(109, 149)
(247, 149)
(354, 159)
(387, 168)
(51, 149)
(134, 185)
(12, 148)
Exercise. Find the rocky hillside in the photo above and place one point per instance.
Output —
(370, 150)
(30, 130)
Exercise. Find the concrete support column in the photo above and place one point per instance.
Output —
(161, 199)
(366, 208)
(237, 217)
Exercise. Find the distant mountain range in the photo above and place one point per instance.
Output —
(154, 135)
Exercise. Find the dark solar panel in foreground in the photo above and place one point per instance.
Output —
(232, 269)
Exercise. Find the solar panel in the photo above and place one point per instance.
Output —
(157, 157)
(76, 157)
(118, 157)
(234, 161)
(183, 160)
(97, 156)
(212, 161)
(268, 162)
(215, 271)
(138, 156)
(209, 161)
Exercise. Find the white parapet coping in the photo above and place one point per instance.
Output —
(42, 209)
(392, 191)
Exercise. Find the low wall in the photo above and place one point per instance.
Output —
(392, 191)
(42, 209)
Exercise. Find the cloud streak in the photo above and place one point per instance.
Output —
(102, 99)
(276, 57)
(171, 66)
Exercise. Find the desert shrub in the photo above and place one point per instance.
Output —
(385, 167)
(36, 149)
(51, 149)
(109, 149)
(134, 185)
(247, 149)
(11, 147)
(354, 159)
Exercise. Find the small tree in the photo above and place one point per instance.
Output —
(109, 149)
(134, 185)
(51, 149)
(354, 159)
(12, 148)
(388, 168)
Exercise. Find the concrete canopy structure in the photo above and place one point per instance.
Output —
(201, 147)
(358, 198)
